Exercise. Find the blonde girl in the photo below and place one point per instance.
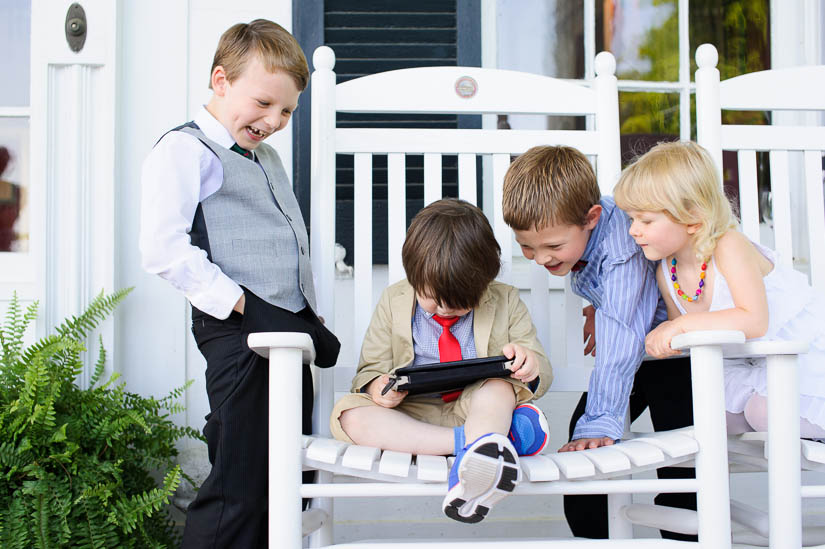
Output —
(713, 278)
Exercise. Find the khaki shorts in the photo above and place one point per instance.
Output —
(429, 409)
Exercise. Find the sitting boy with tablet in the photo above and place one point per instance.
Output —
(450, 308)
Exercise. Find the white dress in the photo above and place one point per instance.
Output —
(796, 312)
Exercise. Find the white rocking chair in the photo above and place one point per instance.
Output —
(778, 90)
(348, 304)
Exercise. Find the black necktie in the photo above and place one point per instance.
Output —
(240, 150)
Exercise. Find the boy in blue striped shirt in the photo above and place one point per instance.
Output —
(552, 202)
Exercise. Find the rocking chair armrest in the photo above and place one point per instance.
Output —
(262, 342)
(733, 344)
(765, 348)
(703, 338)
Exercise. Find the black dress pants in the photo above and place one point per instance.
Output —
(230, 510)
(664, 387)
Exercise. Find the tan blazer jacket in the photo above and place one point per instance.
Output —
(500, 318)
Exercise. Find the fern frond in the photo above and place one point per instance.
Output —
(128, 511)
(78, 327)
(99, 365)
(40, 518)
(12, 459)
(9, 328)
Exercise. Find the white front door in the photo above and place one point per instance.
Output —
(70, 127)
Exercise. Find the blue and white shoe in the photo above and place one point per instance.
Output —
(529, 432)
(484, 473)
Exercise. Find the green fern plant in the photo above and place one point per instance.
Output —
(77, 465)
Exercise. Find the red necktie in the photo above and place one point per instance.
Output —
(448, 348)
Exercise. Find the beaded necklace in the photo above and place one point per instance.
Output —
(676, 286)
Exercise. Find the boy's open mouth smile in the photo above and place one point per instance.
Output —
(553, 268)
(256, 134)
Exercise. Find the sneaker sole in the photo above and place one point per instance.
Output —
(487, 475)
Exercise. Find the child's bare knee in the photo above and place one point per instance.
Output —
(351, 420)
(756, 413)
(499, 388)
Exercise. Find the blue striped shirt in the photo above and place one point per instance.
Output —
(621, 284)
(426, 331)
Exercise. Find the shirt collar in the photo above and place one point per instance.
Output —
(597, 234)
(429, 315)
(213, 129)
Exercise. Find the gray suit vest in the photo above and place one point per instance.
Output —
(252, 227)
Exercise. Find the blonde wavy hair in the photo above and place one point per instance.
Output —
(680, 180)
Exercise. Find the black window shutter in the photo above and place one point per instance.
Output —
(370, 36)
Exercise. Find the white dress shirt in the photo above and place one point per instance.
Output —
(178, 174)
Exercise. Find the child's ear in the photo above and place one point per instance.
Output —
(693, 227)
(591, 219)
(219, 80)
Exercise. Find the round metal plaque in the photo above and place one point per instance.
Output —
(466, 87)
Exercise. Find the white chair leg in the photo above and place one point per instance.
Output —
(618, 526)
(323, 536)
(784, 476)
(713, 497)
(285, 407)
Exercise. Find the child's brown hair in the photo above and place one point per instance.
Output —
(277, 49)
(451, 254)
(549, 186)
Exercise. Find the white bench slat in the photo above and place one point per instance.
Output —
(816, 219)
(504, 236)
(448, 141)
(326, 450)
(396, 464)
(746, 446)
(362, 227)
(813, 451)
(573, 464)
(674, 444)
(766, 138)
(539, 468)
(360, 457)
(432, 468)
(467, 177)
(396, 214)
(432, 178)
(640, 453)
(607, 459)
(781, 206)
(748, 194)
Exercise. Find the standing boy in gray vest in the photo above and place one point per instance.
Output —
(220, 223)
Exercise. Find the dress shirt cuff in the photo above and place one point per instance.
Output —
(604, 425)
(218, 299)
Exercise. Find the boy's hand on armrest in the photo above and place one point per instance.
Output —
(657, 342)
(589, 314)
(586, 444)
(391, 399)
(525, 367)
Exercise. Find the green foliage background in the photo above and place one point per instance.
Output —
(740, 31)
(76, 464)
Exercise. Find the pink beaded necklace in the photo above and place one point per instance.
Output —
(676, 286)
